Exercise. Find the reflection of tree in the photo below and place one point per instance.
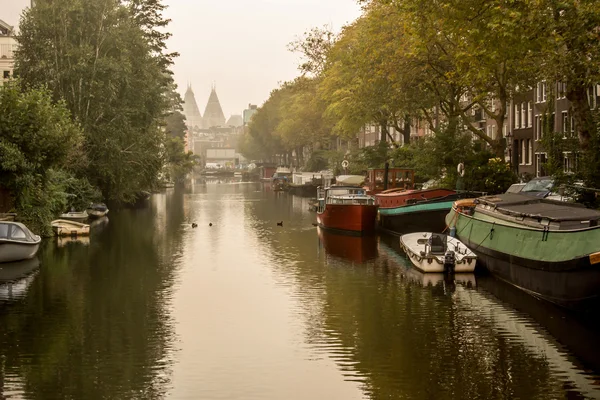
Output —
(95, 323)
(384, 329)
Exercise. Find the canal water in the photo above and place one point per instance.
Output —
(150, 307)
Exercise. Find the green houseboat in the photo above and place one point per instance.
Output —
(548, 248)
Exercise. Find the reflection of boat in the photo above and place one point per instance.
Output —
(19, 269)
(391, 255)
(63, 227)
(17, 242)
(78, 216)
(357, 249)
(548, 248)
(99, 224)
(346, 208)
(521, 330)
(62, 241)
(435, 252)
(97, 210)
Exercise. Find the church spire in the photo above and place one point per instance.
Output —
(213, 114)
(191, 110)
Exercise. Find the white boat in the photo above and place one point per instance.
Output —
(436, 252)
(78, 216)
(63, 227)
(17, 242)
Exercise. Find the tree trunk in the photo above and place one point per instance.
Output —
(577, 95)
(406, 131)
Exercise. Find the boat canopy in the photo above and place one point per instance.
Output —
(350, 179)
(16, 231)
(518, 205)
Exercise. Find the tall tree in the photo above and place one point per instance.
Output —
(106, 59)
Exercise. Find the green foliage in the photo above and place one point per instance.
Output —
(38, 139)
(106, 60)
(318, 161)
(178, 162)
(492, 177)
(175, 125)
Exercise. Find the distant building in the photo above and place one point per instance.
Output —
(235, 121)
(213, 114)
(249, 112)
(8, 45)
(191, 111)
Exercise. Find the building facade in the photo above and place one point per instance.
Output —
(8, 46)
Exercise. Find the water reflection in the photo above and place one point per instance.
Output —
(94, 323)
(355, 249)
(16, 277)
(155, 308)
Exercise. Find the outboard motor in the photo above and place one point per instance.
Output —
(449, 262)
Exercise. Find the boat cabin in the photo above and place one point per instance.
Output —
(398, 178)
(344, 195)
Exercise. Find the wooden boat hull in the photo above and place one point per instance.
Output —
(348, 217)
(70, 228)
(559, 266)
(407, 197)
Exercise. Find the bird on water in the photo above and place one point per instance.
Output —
(280, 223)
(194, 225)
(210, 224)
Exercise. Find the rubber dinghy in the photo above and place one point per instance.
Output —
(436, 252)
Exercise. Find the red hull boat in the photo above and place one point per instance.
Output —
(347, 208)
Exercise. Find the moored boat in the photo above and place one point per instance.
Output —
(433, 252)
(78, 216)
(346, 208)
(422, 210)
(7, 216)
(548, 248)
(97, 210)
(62, 227)
(17, 242)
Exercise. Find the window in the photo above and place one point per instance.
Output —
(540, 164)
(529, 152)
(521, 151)
(541, 92)
(523, 116)
(538, 127)
(493, 105)
(565, 123)
(593, 96)
(6, 74)
(517, 116)
(17, 233)
(567, 162)
(572, 125)
(561, 91)
(4, 231)
(529, 115)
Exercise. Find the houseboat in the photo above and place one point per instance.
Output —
(397, 179)
(346, 209)
(416, 210)
(548, 248)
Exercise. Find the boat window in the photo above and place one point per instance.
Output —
(4, 231)
(538, 185)
(17, 233)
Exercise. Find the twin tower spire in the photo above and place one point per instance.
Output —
(213, 113)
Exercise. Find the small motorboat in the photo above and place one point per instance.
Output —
(78, 216)
(63, 227)
(17, 242)
(97, 210)
(436, 252)
(7, 216)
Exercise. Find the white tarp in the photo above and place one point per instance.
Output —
(350, 179)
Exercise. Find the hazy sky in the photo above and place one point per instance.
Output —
(238, 44)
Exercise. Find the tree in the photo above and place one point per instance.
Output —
(106, 60)
(37, 137)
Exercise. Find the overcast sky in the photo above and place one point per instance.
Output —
(238, 44)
